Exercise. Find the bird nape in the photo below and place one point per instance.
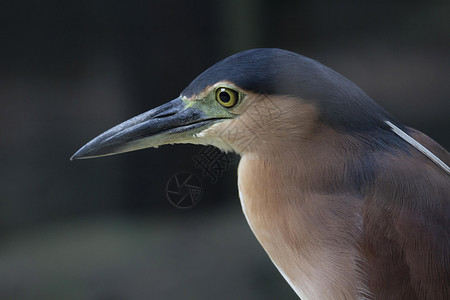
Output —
(347, 202)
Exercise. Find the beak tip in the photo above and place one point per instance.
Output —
(76, 156)
(91, 151)
(80, 154)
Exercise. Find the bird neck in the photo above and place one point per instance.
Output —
(288, 196)
(324, 161)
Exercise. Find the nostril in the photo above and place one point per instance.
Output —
(164, 115)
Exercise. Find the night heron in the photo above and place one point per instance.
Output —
(347, 202)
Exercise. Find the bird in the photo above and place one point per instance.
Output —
(347, 201)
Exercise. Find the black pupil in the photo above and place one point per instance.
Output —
(224, 97)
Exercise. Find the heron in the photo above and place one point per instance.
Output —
(347, 201)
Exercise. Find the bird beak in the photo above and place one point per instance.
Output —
(177, 121)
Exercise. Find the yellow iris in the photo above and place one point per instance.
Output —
(227, 97)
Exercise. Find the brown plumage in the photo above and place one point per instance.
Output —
(331, 240)
(343, 204)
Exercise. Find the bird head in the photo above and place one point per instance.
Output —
(254, 100)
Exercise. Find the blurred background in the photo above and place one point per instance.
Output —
(103, 228)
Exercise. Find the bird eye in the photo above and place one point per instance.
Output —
(227, 97)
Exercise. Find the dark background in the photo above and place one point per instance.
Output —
(103, 228)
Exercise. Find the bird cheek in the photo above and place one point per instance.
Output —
(224, 135)
(238, 135)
